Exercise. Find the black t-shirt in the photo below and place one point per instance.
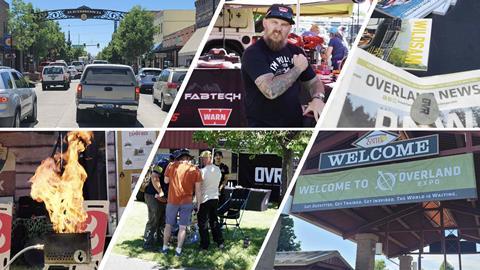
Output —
(285, 110)
(224, 170)
(150, 189)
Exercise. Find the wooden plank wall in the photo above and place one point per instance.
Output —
(30, 149)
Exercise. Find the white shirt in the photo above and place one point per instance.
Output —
(211, 175)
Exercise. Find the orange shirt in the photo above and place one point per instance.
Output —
(182, 177)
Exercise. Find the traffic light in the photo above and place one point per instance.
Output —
(98, 45)
(84, 44)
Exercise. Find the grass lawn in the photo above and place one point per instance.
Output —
(254, 224)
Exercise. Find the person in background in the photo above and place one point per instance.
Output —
(218, 156)
(155, 198)
(342, 30)
(336, 51)
(207, 213)
(184, 179)
(314, 31)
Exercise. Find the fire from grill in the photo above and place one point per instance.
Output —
(58, 182)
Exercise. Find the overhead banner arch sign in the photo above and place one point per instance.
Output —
(444, 178)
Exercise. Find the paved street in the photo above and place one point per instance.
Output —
(56, 108)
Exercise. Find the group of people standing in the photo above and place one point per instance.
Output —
(170, 199)
(337, 48)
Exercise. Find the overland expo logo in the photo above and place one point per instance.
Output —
(215, 117)
(385, 181)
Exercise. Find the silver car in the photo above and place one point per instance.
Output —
(108, 89)
(78, 65)
(145, 79)
(18, 100)
(166, 86)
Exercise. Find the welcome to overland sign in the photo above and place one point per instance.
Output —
(406, 149)
(444, 178)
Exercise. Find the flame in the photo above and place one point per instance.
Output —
(61, 188)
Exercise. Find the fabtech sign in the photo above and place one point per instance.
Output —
(406, 149)
(445, 178)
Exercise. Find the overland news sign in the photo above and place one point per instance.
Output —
(444, 178)
(406, 149)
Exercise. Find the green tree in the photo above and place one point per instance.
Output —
(49, 42)
(110, 53)
(42, 39)
(448, 266)
(380, 265)
(134, 36)
(22, 26)
(286, 240)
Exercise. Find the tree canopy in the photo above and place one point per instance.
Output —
(447, 267)
(287, 239)
(257, 142)
(134, 36)
(43, 39)
(380, 265)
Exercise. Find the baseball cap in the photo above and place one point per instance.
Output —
(333, 30)
(206, 154)
(182, 152)
(280, 12)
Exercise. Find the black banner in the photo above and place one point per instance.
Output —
(212, 98)
(263, 172)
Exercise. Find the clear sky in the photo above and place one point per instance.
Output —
(100, 31)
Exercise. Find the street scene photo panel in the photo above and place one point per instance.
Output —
(95, 64)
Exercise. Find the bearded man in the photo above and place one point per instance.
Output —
(274, 72)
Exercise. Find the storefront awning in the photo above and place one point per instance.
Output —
(191, 46)
(156, 48)
(330, 8)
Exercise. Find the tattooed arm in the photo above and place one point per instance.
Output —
(314, 87)
(273, 86)
(317, 92)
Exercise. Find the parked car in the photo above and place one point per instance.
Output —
(145, 78)
(18, 101)
(72, 70)
(54, 76)
(108, 89)
(42, 65)
(100, 62)
(79, 65)
(166, 86)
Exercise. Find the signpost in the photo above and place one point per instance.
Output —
(444, 178)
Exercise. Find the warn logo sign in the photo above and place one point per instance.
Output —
(214, 117)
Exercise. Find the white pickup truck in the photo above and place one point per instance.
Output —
(108, 89)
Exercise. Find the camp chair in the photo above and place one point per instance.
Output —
(233, 208)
